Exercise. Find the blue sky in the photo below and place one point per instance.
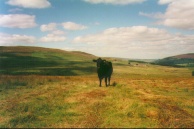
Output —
(145, 29)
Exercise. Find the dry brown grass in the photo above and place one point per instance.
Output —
(78, 101)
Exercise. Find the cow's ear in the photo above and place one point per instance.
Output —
(94, 60)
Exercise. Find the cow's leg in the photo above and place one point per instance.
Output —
(106, 81)
(100, 79)
(109, 80)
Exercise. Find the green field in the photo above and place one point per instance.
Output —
(52, 88)
(43, 61)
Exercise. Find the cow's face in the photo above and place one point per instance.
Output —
(98, 62)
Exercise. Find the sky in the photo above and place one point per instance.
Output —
(140, 29)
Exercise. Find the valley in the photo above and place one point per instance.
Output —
(60, 89)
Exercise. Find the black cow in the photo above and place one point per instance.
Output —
(104, 70)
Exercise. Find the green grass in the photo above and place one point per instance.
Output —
(41, 61)
(140, 96)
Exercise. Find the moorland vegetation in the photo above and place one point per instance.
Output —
(42, 87)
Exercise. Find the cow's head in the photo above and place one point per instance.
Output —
(99, 61)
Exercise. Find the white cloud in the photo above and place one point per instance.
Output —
(136, 42)
(55, 34)
(49, 27)
(53, 38)
(17, 21)
(165, 1)
(30, 3)
(179, 14)
(126, 35)
(66, 25)
(15, 10)
(73, 26)
(7, 39)
(58, 32)
(158, 15)
(115, 2)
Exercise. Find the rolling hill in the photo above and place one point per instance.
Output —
(22, 60)
(185, 56)
(140, 96)
(184, 60)
(44, 61)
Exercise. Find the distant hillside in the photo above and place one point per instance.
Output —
(184, 60)
(185, 56)
(44, 61)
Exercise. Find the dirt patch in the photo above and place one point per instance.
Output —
(91, 96)
(87, 97)
(95, 94)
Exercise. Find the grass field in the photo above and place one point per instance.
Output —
(140, 96)
(44, 61)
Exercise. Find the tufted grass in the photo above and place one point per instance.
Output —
(77, 101)
(61, 90)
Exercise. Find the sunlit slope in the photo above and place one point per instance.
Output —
(43, 61)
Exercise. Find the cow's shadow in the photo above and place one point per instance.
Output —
(114, 84)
